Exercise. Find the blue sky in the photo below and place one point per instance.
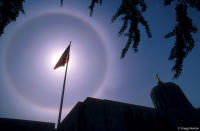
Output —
(30, 88)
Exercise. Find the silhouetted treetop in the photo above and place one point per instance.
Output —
(9, 11)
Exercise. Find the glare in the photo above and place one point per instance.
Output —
(54, 59)
(55, 56)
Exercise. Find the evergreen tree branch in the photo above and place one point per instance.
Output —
(130, 12)
(61, 3)
(91, 7)
(9, 11)
(184, 42)
(168, 2)
(131, 17)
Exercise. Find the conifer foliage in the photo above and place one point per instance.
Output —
(183, 30)
(130, 12)
(131, 15)
(91, 7)
(9, 11)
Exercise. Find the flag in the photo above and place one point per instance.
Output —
(64, 58)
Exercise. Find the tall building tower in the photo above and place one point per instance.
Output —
(169, 96)
(172, 105)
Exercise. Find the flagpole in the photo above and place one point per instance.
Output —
(61, 102)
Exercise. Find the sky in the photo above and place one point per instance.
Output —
(30, 47)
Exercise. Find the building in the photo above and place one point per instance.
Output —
(170, 102)
(7, 124)
(104, 115)
(172, 112)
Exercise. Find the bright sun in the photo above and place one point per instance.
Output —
(54, 59)
(56, 56)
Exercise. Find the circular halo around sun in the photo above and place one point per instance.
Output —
(40, 42)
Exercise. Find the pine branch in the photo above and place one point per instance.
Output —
(194, 4)
(184, 42)
(131, 16)
(9, 11)
(61, 3)
(91, 7)
(168, 2)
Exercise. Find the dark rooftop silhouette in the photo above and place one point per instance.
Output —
(172, 111)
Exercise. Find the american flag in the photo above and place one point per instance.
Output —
(64, 58)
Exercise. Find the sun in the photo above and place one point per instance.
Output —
(55, 56)
(54, 59)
